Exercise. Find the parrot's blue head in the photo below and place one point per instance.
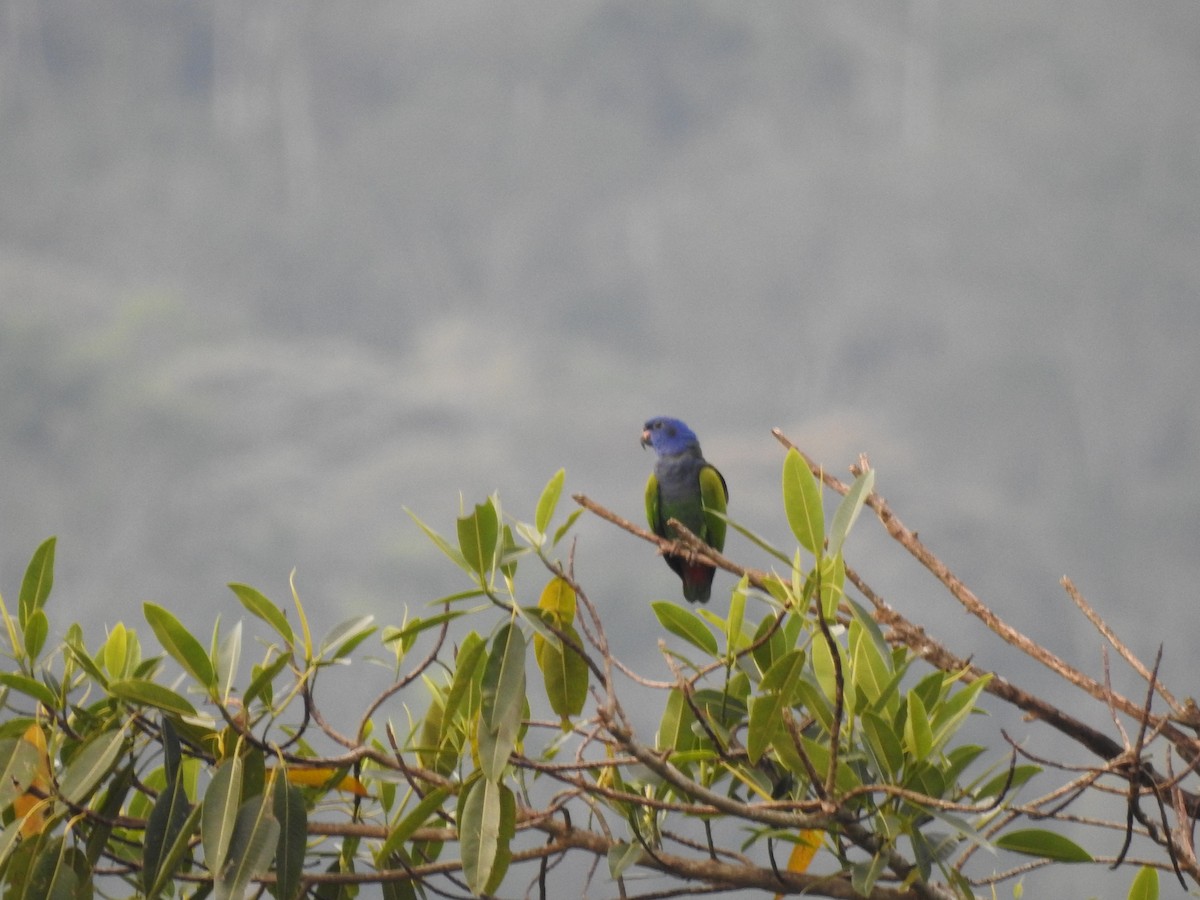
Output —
(669, 437)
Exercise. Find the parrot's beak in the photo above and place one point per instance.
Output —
(646, 438)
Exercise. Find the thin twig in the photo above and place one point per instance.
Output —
(1109, 635)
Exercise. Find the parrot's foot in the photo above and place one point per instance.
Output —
(680, 550)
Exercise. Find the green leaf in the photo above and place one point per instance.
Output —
(767, 710)
(414, 819)
(345, 636)
(735, 639)
(869, 628)
(548, 502)
(540, 621)
(864, 875)
(478, 536)
(302, 616)
(675, 729)
(828, 577)
(814, 701)
(770, 650)
(509, 552)
(847, 777)
(409, 632)
(685, 624)
(39, 579)
(9, 838)
(566, 526)
(115, 651)
(30, 688)
(502, 700)
(759, 542)
(254, 772)
(1043, 844)
(148, 693)
(37, 627)
(78, 652)
(459, 597)
(883, 743)
(781, 678)
(963, 830)
(464, 694)
(228, 654)
(48, 877)
(959, 758)
(172, 750)
(487, 825)
(292, 816)
(1145, 884)
(221, 803)
(260, 606)
(437, 748)
(90, 765)
(765, 713)
(529, 534)
(724, 709)
(788, 756)
(949, 715)
(621, 856)
(255, 837)
(564, 672)
(440, 542)
(932, 688)
(848, 510)
(918, 737)
(178, 642)
(925, 777)
(173, 853)
(504, 676)
(824, 668)
(930, 848)
(869, 670)
(397, 890)
(263, 679)
(169, 830)
(802, 502)
(109, 809)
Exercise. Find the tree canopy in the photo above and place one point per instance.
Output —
(809, 738)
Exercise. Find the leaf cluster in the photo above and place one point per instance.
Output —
(793, 720)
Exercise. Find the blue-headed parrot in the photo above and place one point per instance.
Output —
(683, 486)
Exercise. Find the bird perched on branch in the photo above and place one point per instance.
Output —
(684, 487)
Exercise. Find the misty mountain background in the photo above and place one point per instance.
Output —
(272, 272)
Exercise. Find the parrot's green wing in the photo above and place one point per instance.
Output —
(653, 513)
(713, 494)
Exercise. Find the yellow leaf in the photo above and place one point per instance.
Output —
(803, 852)
(558, 598)
(30, 805)
(30, 808)
(321, 775)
